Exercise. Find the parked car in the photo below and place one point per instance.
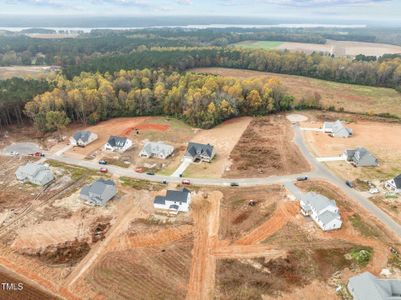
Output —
(14, 153)
(186, 181)
(234, 184)
(37, 154)
(302, 178)
(349, 184)
(150, 173)
(102, 162)
(139, 170)
(103, 170)
(164, 181)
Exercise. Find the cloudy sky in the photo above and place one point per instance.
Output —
(340, 9)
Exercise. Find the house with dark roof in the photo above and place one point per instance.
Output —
(174, 201)
(394, 184)
(34, 173)
(83, 138)
(156, 149)
(322, 210)
(118, 144)
(366, 286)
(361, 157)
(199, 152)
(337, 129)
(99, 192)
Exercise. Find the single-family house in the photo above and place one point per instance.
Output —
(99, 192)
(174, 201)
(201, 152)
(118, 144)
(83, 138)
(366, 286)
(394, 184)
(34, 173)
(322, 210)
(337, 129)
(361, 157)
(156, 149)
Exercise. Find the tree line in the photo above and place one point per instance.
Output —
(385, 72)
(200, 100)
(14, 93)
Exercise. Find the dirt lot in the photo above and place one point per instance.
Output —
(223, 137)
(353, 98)
(239, 218)
(265, 149)
(339, 48)
(34, 72)
(377, 137)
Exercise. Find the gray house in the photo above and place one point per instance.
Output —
(83, 138)
(202, 152)
(394, 184)
(99, 192)
(361, 157)
(34, 173)
(156, 149)
(366, 286)
(337, 129)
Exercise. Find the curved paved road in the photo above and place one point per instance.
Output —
(319, 171)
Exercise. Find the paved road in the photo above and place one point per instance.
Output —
(319, 171)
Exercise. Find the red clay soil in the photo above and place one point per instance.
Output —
(156, 127)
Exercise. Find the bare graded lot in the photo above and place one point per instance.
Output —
(266, 148)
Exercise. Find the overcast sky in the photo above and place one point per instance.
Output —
(340, 9)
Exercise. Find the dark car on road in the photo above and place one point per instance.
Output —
(150, 173)
(102, 162)
(302, 178)
(349, 184)
(234, 184)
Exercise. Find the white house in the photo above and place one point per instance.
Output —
(337, 129)
(118, 144)
(156, 149)
(83, 138)
(394, 184)
(174, 201)
(322, 210)
(34, 173)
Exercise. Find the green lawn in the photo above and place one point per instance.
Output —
(258, 44)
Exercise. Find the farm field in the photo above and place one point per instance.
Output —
(27, 72)
(223, 137)
(265, 149)
(376, 136)
(338, 48)
(353, 98)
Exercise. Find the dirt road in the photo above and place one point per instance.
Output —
(206, 214)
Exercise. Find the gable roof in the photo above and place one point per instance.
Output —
(317, 201)
(368, 287)
(197, 149)
(97, 188)
(363, 154)
(397, 181)
(117, 141)
(82, 135)
(157, 147)
(177, 196)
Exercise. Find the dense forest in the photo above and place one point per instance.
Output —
(384, 72)
(14, 93)
(200, 100)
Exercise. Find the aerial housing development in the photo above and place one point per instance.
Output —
(200, 150)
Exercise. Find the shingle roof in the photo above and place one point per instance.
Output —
(152, 148)
(117, 141)
(317, 201)
(196, 149)
(368, 287)
(160, 200)
(177, 196)
(82, 135)
(97, 188)
(397, 181)
(328, 216)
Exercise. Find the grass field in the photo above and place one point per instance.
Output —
(353, 98)
(27, 72)
(258, 44)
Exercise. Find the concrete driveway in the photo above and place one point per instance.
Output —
(182, 167)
